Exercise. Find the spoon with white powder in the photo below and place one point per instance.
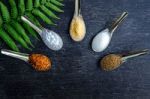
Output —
(51, 39)
(103, 38)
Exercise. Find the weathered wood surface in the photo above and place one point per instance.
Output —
(76, 73)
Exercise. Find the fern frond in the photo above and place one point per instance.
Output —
(1, 21)
(53, 7)
(29, 5)
(49, 12)
(38, 13)
(14, 10)
(15, 36)
(8, 40)
(33, 19)
(57, 3)
(30, 30)
(43, 2)
(21, 7)
(36, 3)
(20, 30)
(4, 12)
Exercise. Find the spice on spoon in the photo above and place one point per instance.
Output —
(51, 39)
(102, 39)
(39, 62)
(77, 26)
(113, 61)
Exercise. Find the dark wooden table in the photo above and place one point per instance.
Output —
(76, 73)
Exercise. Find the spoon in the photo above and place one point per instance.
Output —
(103, 38)
(77, 26)
(113, 61)
(51, 39)
(38, 61)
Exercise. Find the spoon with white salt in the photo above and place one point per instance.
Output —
(51, 39)
(103, 38)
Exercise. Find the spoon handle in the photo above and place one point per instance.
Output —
(118, 21)
(26, 20)
(77, 7)
(21, 56)
(135, 54)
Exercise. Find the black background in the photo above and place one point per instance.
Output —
(76, 73)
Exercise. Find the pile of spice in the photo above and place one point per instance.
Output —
(111, 62)
(40, 62)
(77, 28)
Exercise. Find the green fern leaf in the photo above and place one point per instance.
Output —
(5, 13)
(33, 19)
(8, 40)
(21, 7)
(15, 36)
(30, 30)
(57, 3)
(49, 12)
(1, 21)
(36, 3)
(11, 26)
(42, 16)
(29, 5)
(53, 7)
(20, 30)
(14, 10)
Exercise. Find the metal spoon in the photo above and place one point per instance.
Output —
(77, 8)
(33, 59)
(77, 27)
(103, 38)
(135, 54)
(51, 39)
(21, 56)
(113, 61)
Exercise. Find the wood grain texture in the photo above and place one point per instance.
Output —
(76, 73)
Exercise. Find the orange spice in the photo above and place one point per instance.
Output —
(40, 62)
(111, 62)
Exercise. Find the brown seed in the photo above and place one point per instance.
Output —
(40, 62)
(111, 62)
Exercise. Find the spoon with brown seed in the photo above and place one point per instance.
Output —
(113, 61)
(39, 62)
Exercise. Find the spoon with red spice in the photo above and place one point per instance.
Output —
(39, 62)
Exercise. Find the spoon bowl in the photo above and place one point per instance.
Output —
(77, 26)
(101, 41)
(51, 39)
(103, 38)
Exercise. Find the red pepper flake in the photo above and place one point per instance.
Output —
(40, 62)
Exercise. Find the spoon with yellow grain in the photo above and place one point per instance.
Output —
(113, 61)
(39, 62)
(77, 26)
